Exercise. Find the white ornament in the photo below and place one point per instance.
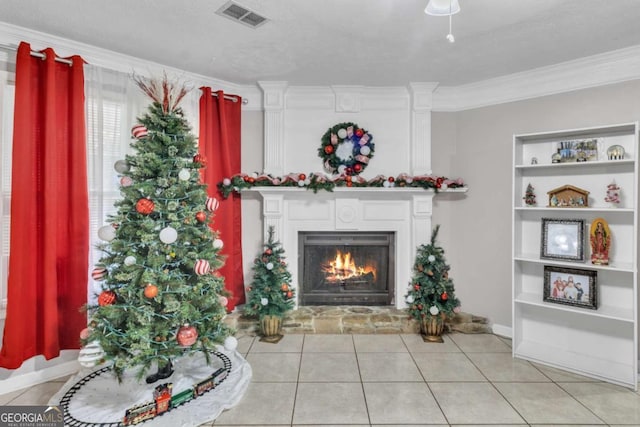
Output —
(91, 355)
(269, 266)
(130, 260)
(431, 258)
(254, 175)
(226, 182)
(230, 343)
(409, 180)
(307, 181)
(300, 183)
(168, 235)
(342, 133)
(434, 310)
(184, 174)
(121, 166)
(365, 150)
(218, 244)
(410, 299)
(107, 233)
(264, 301)
(444, 186)
(386, 184)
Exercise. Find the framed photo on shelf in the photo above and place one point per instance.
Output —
(570, 286)
(562, 239)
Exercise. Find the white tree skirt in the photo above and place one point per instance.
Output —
(103, 401)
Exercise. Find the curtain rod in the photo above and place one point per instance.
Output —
(231, 98)
(37, 54)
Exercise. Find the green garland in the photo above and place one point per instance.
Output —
(346, 149)
(317, 182)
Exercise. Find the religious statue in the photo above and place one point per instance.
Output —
(600, 237)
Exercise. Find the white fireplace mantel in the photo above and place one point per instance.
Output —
(404, 211)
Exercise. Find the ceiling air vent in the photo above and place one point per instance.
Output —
(241, 14)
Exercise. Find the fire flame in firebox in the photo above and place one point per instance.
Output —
(343, 267)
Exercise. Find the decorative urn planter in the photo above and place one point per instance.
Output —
(431, 328)
(270, 328)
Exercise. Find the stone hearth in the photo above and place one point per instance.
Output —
(356, 320)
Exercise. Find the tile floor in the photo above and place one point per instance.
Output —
(398, 380)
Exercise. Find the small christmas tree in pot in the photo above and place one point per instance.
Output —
(431, 296)
(270, 293)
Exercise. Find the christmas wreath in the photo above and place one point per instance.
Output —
(346, 149)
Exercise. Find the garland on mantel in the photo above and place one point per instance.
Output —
(320, 181)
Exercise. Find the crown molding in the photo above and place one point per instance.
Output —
(12, 35)
(592, 71)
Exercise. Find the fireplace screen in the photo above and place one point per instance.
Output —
(346, 268)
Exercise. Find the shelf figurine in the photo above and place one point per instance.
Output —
(600, 238)
(613, 194)
(529, 196)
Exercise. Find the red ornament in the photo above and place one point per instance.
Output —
(289, 294)
(357, 168)
(444, 296)
(349, 170)
(328, 149)
(150, 291)
(201, 216)
(302, 177)
(348, 179)
(251, 180)
(199, 158)
(349, 184)
(202, 267)
(284, 287)
(419, 306)
(187, 335)
(391, 179)
(268, 251)
(416, 286)
(145, 206)
(106, 298)
(359, 133)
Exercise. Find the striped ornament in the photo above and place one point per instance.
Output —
(99, 273)
(139, 131)
(212, 204)
(202, 267)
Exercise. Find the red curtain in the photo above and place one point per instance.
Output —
(219, 140)
(49, 247)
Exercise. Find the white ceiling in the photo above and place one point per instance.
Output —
(341, 42)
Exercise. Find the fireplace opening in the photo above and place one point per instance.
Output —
(346, 268)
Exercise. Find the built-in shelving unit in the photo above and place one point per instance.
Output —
(601, 343)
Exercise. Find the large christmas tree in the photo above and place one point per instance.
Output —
(162, 297)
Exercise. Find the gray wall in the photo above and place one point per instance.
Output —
(476, 145)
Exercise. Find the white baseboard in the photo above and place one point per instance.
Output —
(503, 331)
(29, 374)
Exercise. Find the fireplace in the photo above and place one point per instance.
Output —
(346, 268)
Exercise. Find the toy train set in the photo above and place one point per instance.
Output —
(164, 400)
(136, 414)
